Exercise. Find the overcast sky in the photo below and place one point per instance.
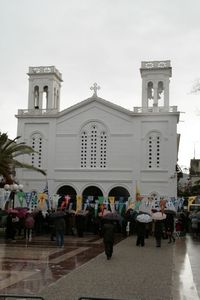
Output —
(102, 41)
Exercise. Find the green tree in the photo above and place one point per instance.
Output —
(10, 150)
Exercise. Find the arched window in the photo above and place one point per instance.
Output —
(36, 97)
(36, 144)
(160, 92)
(45, 97)
(93, 150)
(154, 150)
(150, 90)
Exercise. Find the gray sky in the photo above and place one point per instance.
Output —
(102, 41)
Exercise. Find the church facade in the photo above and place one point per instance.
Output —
(97, 148)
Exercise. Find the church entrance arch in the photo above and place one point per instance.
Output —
(119, 192)
(66, 190)
(92, 191)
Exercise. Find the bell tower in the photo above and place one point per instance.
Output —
(44, 88)
(155, 85)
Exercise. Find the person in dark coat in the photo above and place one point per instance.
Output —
(80, 224)
(158, 232)
(10, 227)
(141, 232)
(108, 232)
(59, 223)
(169, 227)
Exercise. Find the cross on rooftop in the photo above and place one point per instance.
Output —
(95, 88)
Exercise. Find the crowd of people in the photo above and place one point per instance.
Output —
(60, 222)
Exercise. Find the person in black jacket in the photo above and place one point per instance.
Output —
(59, 223)
(141, 232)
(158, 232)
(108, 232)
(169, 225)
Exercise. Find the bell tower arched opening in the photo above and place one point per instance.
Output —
(44, 88)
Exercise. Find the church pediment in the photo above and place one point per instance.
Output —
(95, 101)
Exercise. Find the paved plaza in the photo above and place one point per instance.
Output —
(81, 269)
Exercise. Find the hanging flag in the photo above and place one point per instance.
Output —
(90, 198)
(96, 208)
(28, 196)
(21, 197)
(101, 200)
(34, 199)
(121, 208)
(111, 200)
(138, 196)
(46, 191)
(55, 198)
(65, 201)
(78, 202)
(130, 204)
(191, 200)
(180, 202)
(41, 200)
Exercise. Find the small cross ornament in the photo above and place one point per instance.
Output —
(95, 88)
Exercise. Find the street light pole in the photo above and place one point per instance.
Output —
(13, 188)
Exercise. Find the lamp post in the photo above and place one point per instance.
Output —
(13, 188)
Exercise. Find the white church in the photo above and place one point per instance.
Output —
(97, 148)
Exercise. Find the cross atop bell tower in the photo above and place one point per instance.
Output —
(155, 84)
(44, 88)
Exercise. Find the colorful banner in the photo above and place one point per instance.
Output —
(28, 197)
(111, 200)
(21, 198)
(191, 200)
(101, 203)
(121, 208)
(54, 202)
(34, 199)
(65, 202)
(41, 200)
(96, 208)
(46, 191)
(78, 202)
(137, 192)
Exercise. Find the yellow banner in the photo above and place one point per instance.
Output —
(41, 200)
(79, 202)
(111, 200)
(191, 200)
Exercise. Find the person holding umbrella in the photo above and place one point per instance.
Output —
(141, 220)
(108, 232)
(169, 226)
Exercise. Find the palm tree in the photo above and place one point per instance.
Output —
(9, 151)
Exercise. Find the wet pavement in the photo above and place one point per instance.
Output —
(81, 269)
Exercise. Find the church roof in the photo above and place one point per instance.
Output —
(96, 99)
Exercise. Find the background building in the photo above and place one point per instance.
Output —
(97, 148)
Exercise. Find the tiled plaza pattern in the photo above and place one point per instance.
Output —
(81, 269)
